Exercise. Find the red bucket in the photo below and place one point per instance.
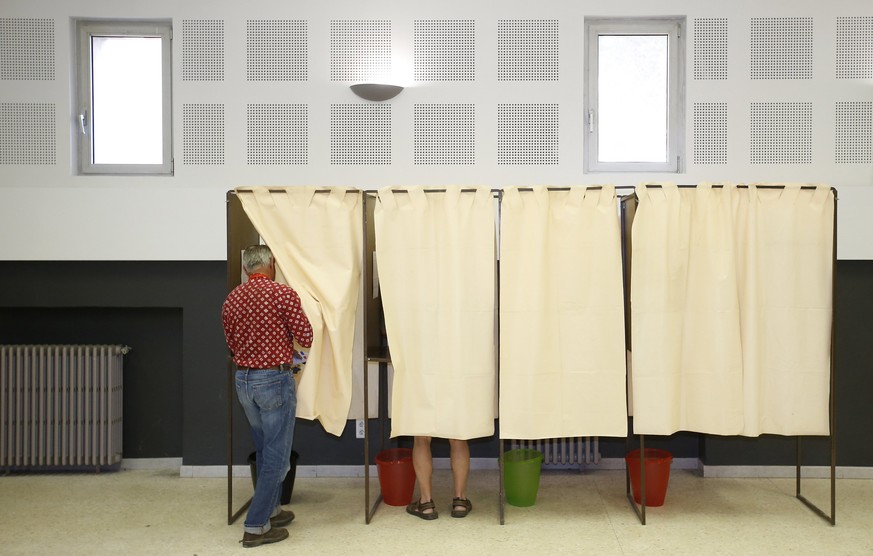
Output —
(396, 475)
(657, 474)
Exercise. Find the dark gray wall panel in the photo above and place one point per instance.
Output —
(176, 390)
(152, 369)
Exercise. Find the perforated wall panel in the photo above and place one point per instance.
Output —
(277, 133)
(445, 134)
(710, 133)
(277, 50)
(527, 50)
(854, 47)
(203, 134)
(781, 48)
(854, 140)
(28, 133)
(202, 50)
(360, 134)
(360, 50)
(27, 49)
(445, 50)
(710, 48)
(527, 134)
(781, 133)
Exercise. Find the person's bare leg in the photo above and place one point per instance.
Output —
(460, 456)
(422, 462)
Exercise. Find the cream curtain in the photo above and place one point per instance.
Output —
(316, 237)
(562, 349)
(356, 409)
(437, 273)
(731, 310)
(685, 328)
(786, 239)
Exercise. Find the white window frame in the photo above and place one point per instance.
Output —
(673, 28)
(85, 30)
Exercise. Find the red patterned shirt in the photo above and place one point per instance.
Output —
(261, 320)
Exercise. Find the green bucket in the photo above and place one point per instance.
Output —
(521, 476)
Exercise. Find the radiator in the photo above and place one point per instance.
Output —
(61, 406)
(561, 453)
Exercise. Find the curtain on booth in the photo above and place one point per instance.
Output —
(785, 240)
(562, 349)
(435, 257)
(731, 309)
(317, 240)
(685, 327)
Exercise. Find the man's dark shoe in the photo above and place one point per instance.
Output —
(275, 534)
(282, 519)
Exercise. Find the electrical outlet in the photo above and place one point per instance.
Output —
(359, 428)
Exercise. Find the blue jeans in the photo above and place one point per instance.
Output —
(269, 399)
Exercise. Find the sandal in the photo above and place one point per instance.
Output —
(418, 509)
(461, 507)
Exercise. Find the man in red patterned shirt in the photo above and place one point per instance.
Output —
(262, 319)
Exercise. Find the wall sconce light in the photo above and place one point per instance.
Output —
(377, 92)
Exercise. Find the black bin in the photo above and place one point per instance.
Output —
(287, 484)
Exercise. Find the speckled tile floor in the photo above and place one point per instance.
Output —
(144, 512)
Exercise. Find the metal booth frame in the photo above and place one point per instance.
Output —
(241, 233)
(381, 355)
(628, 211)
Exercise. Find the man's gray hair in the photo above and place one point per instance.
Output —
(256, 256)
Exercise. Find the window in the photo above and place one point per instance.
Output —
(124, 120)
(634, 96)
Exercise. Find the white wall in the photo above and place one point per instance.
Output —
(48, 213)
